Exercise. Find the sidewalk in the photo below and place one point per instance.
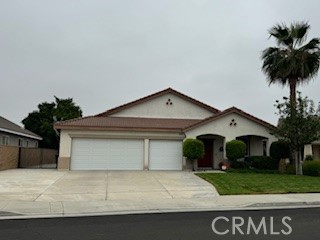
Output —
(26, 209)
(51, 193)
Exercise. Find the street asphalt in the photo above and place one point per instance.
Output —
(281, 224)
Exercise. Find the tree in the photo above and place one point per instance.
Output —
(41, 121)
(291, 63)
(303, 129)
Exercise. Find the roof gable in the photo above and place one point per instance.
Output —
(227, 112)
(168, 103)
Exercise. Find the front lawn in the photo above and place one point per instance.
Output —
(258, 183)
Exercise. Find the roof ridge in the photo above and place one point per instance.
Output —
(159, 93)
(71, 120)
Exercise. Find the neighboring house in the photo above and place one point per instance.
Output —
(148, 134)
(313, 150)
(12, 134)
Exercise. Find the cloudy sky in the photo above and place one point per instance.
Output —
(106, 53)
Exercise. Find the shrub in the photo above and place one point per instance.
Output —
(279, 150)
(263, 162)
(291, 169)
(235, 149)
(308, 158)
(193, 149)
(311, 168)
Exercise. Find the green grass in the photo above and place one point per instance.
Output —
(258, 183)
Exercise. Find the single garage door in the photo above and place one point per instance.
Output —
(165, 155)
(106, 154)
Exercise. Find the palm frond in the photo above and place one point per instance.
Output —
(311, 46)
(298, 32)
(281, 33)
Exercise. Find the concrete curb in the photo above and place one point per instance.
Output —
(256, 206)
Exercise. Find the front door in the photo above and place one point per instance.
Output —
(206, 161)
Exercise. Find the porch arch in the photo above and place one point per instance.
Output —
(256, 145)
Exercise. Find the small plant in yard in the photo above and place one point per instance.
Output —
(193, 149)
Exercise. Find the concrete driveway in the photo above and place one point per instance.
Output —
(48, 185)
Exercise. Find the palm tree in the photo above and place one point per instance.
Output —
(291, 63)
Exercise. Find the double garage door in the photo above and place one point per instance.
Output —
(124, 154)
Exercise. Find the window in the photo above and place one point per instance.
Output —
(5, 140)
(27, 143)
(36, 144)
(20, 142)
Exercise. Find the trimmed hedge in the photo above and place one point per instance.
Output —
(235, 149)
(193, 149)
(279, 150)
(263, 162)
(311, 168)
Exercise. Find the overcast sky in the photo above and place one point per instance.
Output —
(106, 53)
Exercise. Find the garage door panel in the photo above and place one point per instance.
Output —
(107, 154)
(165, 155)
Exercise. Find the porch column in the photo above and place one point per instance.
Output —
(224, 148)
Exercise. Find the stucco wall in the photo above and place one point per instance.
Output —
(243, 127)
(222, 127)
(157, 108)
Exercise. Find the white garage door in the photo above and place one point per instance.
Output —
(165, 155)
(106, 154)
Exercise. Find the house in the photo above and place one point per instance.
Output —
(148, 134)
(313, 150)
(12, 134)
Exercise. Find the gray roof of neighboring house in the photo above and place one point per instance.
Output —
(10, 127)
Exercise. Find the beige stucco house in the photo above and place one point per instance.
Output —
(148, 134)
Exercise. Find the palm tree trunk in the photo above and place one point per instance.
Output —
(293, 95)
(293, 111)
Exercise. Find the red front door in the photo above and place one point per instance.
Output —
(206, 161)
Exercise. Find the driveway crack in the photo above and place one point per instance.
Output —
(163, 186)
(49, 187)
